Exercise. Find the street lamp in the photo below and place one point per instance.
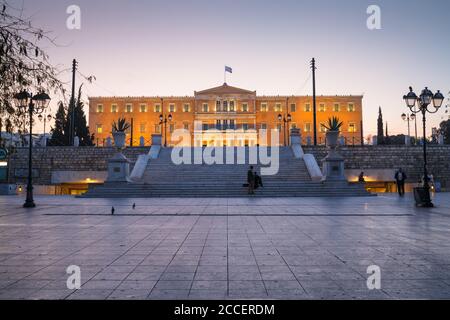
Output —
(47, 118)
(36, 105)
(423, 102)
(408, 118)
(164, 120)
(286, 120)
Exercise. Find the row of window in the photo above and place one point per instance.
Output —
(228, 106)
(230, 124)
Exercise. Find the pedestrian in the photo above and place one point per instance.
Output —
(112, 210)
(251, 181)
(400, 178)
(134, 206)
(361, 177)
(258, 181)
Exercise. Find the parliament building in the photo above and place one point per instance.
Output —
(222, 108)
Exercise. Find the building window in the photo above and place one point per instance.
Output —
(225, 106)
(245, 107)
(142, 128)
(323, 128)
(218, 106)
(322, 107)
(157, 128)
(293, 125)
(143, 108)
(336, 107)
(293, 107)
(277, 107)
(171, 107)
(157, 108)
(129, 108)
(186, 126)
(307, 107)
(351, 107)
(99, 128)
(263, 107)
(99, 108)
(114, 108)
(186, 107)
(307, 127)
(205, 126)
(232, 124)
(263, 126)
(205, 107)
(231, 106)
(278, 128)
(351, 127)
(245, 126)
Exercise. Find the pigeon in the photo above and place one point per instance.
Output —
(134, 206)
(112, 210)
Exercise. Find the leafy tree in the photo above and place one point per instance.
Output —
(23, 62)
(59, 133)
(444, 129)
(81, 128)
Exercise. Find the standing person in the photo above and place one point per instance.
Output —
(400, 178)
(251, 181)
(361, 177)
(258, 181)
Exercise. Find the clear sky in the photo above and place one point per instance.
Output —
(168, 47)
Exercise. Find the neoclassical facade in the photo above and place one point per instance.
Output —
(224, 109)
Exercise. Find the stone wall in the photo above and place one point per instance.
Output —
(391, 157)
(51, 159)
(46, 160)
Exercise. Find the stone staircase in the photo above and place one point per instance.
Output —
(163, 178)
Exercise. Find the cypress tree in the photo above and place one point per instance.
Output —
(380, 133)
(81, 128)
(59, 131)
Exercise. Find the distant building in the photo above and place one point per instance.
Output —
(221, 108)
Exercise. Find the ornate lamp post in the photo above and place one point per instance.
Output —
(45, 118)
(408, 118)
(36, 105)
(423, 102)
(286, 120)
(164, 120)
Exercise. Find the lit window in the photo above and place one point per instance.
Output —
(307, 107)
(157, 108)
(231, 106)
(99, 108)
(307, 127)
(244, 107)
(142, 128)
(225, 106)
(277, 107)
(143, 108)
(323, 128)
(99, 128)
(351, 107)
(263, 107)
(351, 127)
(322, 107)
(205, 107)
(114, 108)
(186, 107)
(293, 107)
(171, 107)
(336, 107)
(129, 108)
(186, 126)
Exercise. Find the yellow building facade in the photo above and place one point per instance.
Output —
(214, 112)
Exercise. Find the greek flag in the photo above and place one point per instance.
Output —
(228, 69)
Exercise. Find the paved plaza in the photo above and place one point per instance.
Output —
(265, 248)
